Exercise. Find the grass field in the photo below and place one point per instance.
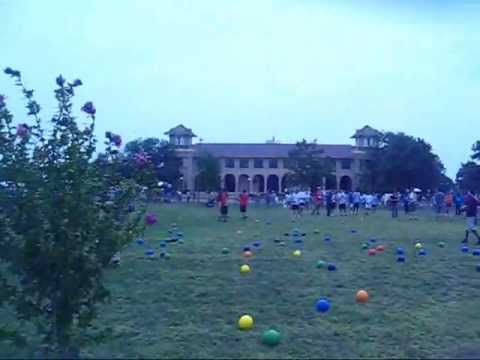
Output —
(188, 306)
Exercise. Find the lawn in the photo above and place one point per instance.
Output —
(188, 306)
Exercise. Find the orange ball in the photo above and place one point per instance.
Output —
(362, 296)
(247, 254)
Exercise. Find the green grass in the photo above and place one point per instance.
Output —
(188, 306)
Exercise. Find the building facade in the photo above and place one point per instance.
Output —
(261, 167)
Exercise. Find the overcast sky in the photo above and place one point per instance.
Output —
(244, 71)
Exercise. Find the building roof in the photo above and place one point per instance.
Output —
(180, 130)
(238, 150)
(366, 131)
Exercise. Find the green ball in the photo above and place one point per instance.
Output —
(271, 337)
(441, 244)
(365, 246)
(321, 264)
(225, 251)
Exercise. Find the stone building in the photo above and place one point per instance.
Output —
(261, 167)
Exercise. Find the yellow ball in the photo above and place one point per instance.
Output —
(245, 322)
(418, 245)
(297, 253)
(244, 269)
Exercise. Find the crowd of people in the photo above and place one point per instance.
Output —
(344, 203)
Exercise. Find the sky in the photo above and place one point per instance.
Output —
(250, 70)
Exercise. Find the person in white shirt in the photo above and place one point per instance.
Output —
(342, 200)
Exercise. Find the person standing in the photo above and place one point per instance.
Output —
(471, 209)
(448, 202)
(356, 198)
(394, 200)
(438, 201)
(222, 200)
(329, 202)
(406, 202)
(342, 200)
(317, 200)
(458, 199)
(244, 204)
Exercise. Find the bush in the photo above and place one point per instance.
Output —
(63, 216)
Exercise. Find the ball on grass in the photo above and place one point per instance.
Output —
(297, 253)
(140, 241)
(418, 245)
(362, 296)
(476, 252)
(331, 267)
(247, 254)
(244, 269)
(401, 259)
(321, 264)
(422, 252)
(365, 246)
(225, 251)
(271, 337)
(400, 251)
(372, 252)
(477, 267)
(245, 322)
(380, 248)
(465, 249)
(322, 305)
(441, 244)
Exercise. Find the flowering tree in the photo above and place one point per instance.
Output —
(62, 217)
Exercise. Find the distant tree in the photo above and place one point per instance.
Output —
(308, 166)
(160, 153)
(402, 161)
(468, 176)
(208, 178)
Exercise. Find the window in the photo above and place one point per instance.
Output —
(258, 163)
(346, 164)
(273, 163)
(244, 163)
(229, 163)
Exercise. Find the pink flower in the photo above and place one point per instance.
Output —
(117, 140)
(22, 130)
(141, 159)
(151, 219)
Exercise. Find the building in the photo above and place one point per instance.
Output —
(260, 167)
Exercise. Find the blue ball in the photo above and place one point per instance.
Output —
(464, 249)
(422, 252)
(331, 267)
(140, 241)
(476, 252)
(372, 240)
(401, 259)
(162, 254)
(150, 252)
(246, 248)
(478, 267)
(327, 238)
(257, 243)
(298, 241)
(322, 305)
(163, 244)
(354, 231)
(400, 251)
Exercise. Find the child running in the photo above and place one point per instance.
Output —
(471, 204)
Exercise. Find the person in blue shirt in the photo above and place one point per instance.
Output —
(458, 200)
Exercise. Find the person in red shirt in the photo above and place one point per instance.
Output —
(244, 204)
(222, 200)
(318, 200)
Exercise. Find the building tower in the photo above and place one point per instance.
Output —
(367, 137)
(181, 136)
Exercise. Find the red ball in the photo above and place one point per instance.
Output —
(372, 252)
(380, 248)
(247, 254)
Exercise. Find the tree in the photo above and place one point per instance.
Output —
(62, 218)
(307, 165)
(402, 162)
(468, 176)
(208, 178)
(161, 154)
